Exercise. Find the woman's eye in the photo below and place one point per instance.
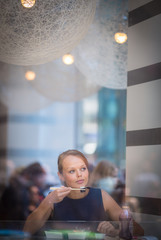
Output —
(83, 169)
(71, 171)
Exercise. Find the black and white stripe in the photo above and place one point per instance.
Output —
(144, 99)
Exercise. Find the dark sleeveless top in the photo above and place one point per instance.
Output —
(89, 208)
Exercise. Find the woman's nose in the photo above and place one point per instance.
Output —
(79, 173)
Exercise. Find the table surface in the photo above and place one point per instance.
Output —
(14, 230)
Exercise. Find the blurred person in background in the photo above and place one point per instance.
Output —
(119, 192)
(104, 176)
(34, 198)
(15, 200)
(35, 174)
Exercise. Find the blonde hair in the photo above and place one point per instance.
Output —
(67, 153)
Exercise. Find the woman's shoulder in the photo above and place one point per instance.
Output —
(94, 193)
(99, 191)
(110, 204)
(105, 195)
(106, 198)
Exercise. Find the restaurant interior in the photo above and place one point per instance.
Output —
(85, 75)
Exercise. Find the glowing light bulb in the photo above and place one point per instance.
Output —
(30, 76)
(28, 3)
(120, 37)
(68, 59)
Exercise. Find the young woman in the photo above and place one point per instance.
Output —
(65, 203)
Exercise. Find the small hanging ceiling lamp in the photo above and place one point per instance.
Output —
(120, 37)
(60, 82)
(28, 3)
(102, 60)
(68, 59)
(16, 93)
(30, 75)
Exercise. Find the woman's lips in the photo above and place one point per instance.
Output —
(80, 181)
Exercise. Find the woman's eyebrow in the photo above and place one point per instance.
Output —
(70, 168)
(73, 167)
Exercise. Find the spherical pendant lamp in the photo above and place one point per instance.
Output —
(98, 56)
(44, 32)
(15, 91)
(60, 82)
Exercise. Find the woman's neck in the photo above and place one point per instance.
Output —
(78, 194)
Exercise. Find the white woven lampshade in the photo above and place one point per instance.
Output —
(60, 82)
(15, 91)
(98, 56)
(48, 30)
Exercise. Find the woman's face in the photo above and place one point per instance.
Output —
(75, 172)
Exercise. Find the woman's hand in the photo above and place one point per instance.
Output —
(38, 217)
(108, 229)
(58, 195)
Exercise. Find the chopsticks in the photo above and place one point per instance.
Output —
(75, 189)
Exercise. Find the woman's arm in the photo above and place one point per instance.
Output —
(41, 214)
(114, 211)
(111, 207)
(38, 217)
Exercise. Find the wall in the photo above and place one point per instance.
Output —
(143, 152)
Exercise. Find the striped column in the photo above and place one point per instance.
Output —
(143, 152)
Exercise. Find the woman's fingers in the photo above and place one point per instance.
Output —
(63, 192)
(103, 226)
(59, 194)
(107, 228)
(63, 189)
